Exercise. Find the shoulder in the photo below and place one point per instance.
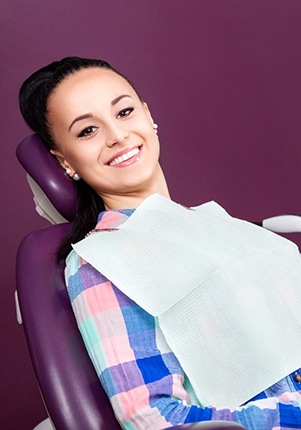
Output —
(73, 263)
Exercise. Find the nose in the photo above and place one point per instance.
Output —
(116, 133)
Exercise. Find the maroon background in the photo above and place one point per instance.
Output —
(223, 80)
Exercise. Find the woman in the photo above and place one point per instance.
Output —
(102, 133)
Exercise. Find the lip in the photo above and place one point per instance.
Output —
(124, 151)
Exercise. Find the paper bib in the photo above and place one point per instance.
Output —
(227, 293)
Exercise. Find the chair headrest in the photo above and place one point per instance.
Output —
(42, 167)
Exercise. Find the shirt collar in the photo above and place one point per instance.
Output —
(113, 218)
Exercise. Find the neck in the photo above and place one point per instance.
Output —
(133, 198)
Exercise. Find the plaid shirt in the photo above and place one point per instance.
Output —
(140, 374)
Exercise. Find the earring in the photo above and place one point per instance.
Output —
(76, 177)
(155, 126)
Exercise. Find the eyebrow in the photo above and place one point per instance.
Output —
(79, 118)
(115, 101)
(89, 115)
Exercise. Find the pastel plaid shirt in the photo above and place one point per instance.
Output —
(140, 374)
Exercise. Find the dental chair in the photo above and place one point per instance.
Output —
(71, 391)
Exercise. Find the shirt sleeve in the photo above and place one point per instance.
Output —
(141, 376)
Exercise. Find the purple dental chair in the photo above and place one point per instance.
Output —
(70, 388)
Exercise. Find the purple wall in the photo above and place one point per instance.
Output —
(223, 80)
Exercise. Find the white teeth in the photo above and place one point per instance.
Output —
(124, 157)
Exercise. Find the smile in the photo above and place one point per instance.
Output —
(124, 157)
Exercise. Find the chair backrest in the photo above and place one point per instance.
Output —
(69, 385)
(71, 390)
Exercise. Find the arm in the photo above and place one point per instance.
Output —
(142, 377)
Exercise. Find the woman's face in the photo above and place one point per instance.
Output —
(104, 133)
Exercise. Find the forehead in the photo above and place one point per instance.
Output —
(85, 86)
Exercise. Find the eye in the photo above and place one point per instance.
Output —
(125, 112)
(87, 131)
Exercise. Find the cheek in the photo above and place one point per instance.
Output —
(81, 157)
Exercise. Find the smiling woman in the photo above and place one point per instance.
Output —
(102, 133)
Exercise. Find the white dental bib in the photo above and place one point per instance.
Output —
(226, 292)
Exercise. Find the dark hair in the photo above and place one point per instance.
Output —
(33, 101)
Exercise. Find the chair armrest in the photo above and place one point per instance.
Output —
(283, 223)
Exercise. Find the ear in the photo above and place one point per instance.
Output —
(63, 162)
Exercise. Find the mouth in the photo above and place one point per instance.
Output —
(126, 158)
